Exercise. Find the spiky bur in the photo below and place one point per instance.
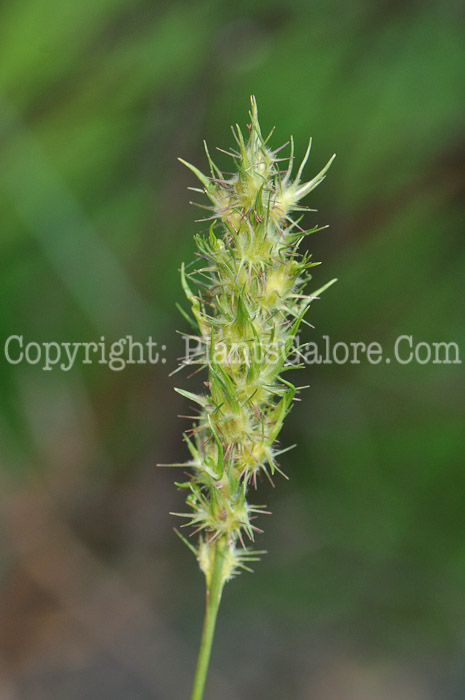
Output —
(248, 300)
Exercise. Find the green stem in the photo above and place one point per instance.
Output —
(213, 599)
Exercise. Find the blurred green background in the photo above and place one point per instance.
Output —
(361, 596)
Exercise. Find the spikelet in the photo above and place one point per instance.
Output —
(247, 302)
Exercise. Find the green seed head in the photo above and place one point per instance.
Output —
(247, 301)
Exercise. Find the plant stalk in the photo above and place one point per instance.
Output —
(213, 599)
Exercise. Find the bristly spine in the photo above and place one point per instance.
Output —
(247, 302)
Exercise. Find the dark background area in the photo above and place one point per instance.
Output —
(361, 596)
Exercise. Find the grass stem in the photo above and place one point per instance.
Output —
(213, 599)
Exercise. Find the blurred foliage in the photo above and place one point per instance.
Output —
(97, 99)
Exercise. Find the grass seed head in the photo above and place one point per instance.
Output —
(247, 302)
